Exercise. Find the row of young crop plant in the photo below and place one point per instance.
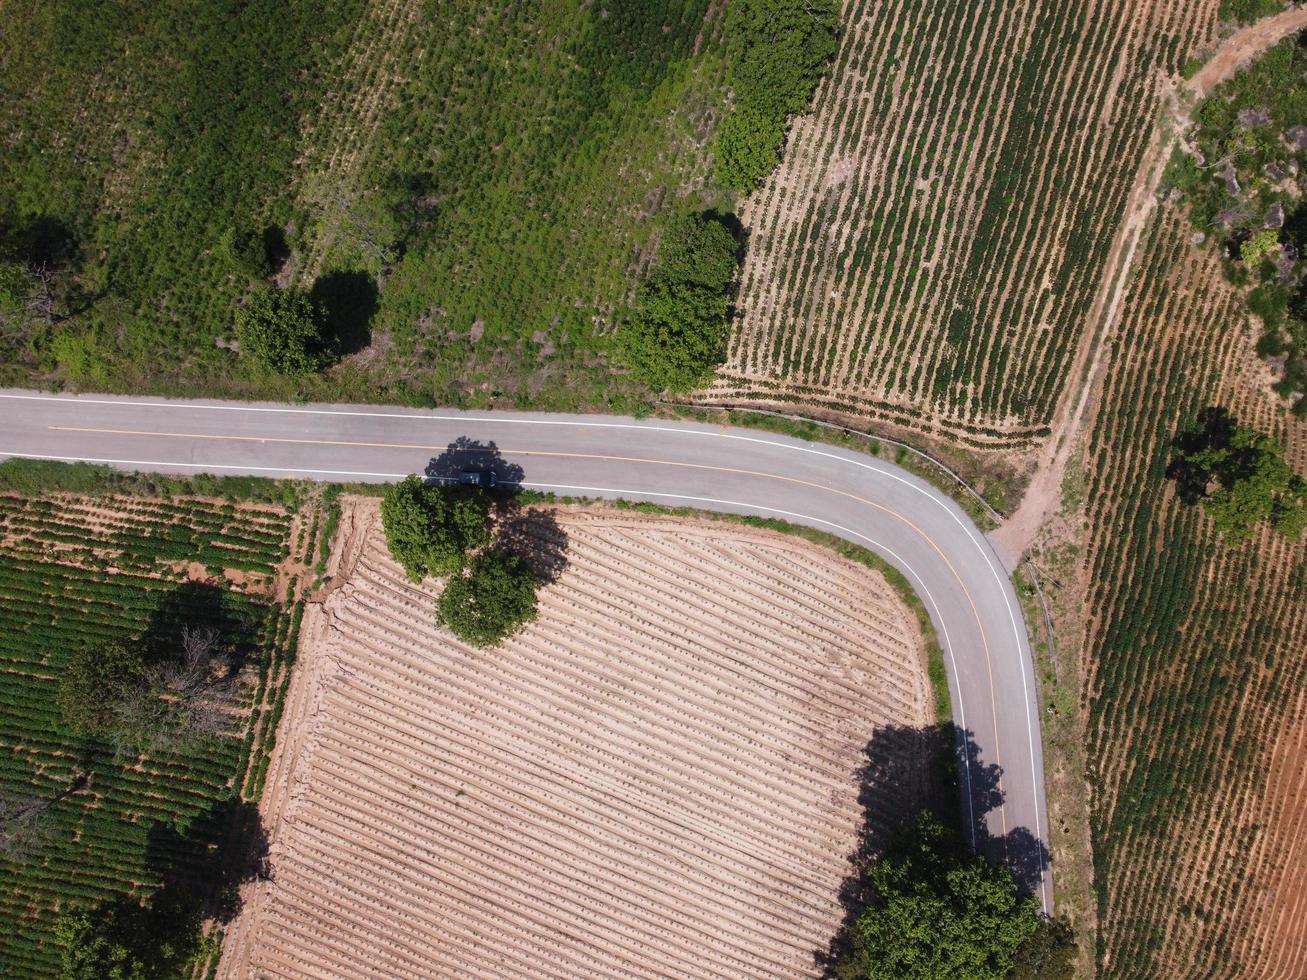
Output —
(140, 539)
(138, 820)
(930, 247)
(1196, 644)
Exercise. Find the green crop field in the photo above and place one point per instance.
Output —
(84, 570)
(471, 189)
(1194, 696)
(929, 251)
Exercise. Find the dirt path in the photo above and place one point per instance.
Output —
(1043, 495)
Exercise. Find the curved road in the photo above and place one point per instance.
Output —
(860, 498)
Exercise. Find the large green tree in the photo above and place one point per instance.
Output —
(431, 530)
(1239, 475)
(939, 913)
(176, 701)
(1050, 954)
(96, 679)
(491, 601)
(679, 331)
(284, 331)
(124, 940)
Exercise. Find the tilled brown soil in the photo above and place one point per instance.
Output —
(660, 777)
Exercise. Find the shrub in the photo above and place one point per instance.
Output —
(492, 601)
(1239, 475)
(778, 51)
(679, 330)
(1247, 11)
(283, 331)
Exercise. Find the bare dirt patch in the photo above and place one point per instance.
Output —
(658, 778)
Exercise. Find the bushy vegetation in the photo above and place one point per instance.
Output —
(432, 530)
(1241, 178)
(1247, 11)
(283, 331)
(678, 332)
(778, 50)
(938, 913)
(493, 599)
(95, 608)
(1239, 476)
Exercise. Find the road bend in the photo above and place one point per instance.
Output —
(860, 498)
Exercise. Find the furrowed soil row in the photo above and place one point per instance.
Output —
(1195, 677)
(927, 252)
(656, 778)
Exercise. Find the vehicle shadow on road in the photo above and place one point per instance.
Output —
(468, 454)
(907, 769)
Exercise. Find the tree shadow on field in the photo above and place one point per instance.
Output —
(276, 249)
(349, 300)
(907, 769)
(201, 605)
(202, 866)
(535, 536)
(1214, 429)
(466, 453)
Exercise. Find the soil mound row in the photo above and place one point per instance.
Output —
(660, 777)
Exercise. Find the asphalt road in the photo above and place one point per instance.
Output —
(860, 498)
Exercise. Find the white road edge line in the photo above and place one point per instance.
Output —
(985, 551)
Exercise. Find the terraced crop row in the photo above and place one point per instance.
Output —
(1197, 721)
(928, 252)
(75, 571)
(656, 777)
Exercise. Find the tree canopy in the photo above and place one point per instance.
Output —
(113, 692)
(778, 50)
(284, 331)
(679, 331)
(1050, 954)
(1239, 475)
(431, 530)
(123, 940)
(95, 680)
(938, 913)
(491, 601)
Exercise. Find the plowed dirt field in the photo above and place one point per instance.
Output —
(662, 776)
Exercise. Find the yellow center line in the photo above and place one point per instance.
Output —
(998, 758)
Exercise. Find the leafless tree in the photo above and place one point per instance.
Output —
(41, 300)
(185, 699)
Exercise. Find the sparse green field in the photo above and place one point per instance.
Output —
(1195, 672)
(86, 570)
(474, 189)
